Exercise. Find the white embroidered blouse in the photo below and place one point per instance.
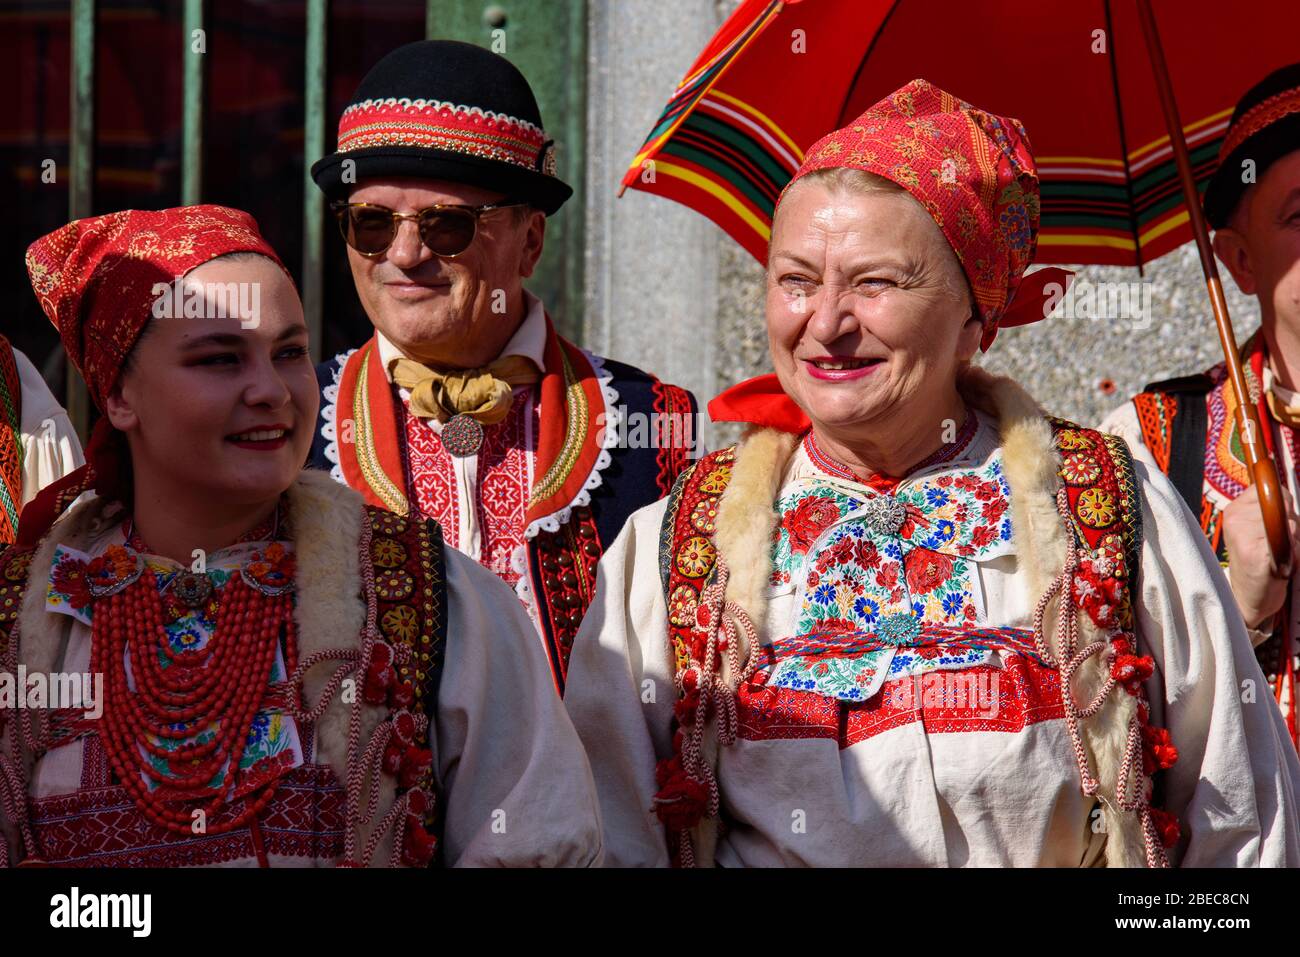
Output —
(930, 751)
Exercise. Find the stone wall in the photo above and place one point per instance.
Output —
(652, 265)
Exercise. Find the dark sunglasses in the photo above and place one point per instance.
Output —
(447, 230)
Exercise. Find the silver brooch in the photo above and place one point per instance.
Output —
(462, 436)
(884, 514)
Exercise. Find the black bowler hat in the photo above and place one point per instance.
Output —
(439, 109)
(1265, 127)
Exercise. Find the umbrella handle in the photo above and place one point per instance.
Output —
(1273, 506)
(1259, 464)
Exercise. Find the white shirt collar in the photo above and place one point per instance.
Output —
(528, 341)
(981, 447)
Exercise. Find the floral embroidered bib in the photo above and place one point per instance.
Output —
(828, 664)
(888, 565)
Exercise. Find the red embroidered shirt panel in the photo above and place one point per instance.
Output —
(499, 497)
(99, 825)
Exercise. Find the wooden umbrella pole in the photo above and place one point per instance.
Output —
(1260, 465)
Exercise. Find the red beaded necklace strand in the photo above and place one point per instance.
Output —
(221, 685)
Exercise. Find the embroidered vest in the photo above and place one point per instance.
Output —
(410, 597)
(583, 494)
(1173, 420)
(1105, 510)
(1105, 517)
(1095, 468)
(11, 448)
(404, 582)
(1189, 426)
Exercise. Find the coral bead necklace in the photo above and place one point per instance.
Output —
(175, 722)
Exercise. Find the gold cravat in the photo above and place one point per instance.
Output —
(483, 394)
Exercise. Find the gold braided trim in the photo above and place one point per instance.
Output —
(367, 459)
(419, 134)
(575, 402)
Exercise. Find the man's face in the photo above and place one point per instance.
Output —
(1261, 245)
(456, 313)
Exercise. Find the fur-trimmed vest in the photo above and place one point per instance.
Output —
(11, 445)
(1076, 515)
(385, 644)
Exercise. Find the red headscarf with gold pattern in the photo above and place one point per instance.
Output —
(95, 277)
(974, 173)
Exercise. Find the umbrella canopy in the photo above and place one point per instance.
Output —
(1077, 73)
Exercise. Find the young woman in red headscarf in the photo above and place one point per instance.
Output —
(910, 620)
(219, 659)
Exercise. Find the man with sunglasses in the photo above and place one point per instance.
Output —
(466, 406)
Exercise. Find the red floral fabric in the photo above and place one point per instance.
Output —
(807, 520)
(975, 175)
(94, 277)
(505, 462)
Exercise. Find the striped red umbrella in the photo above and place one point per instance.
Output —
(777, 76)
(1082, 75)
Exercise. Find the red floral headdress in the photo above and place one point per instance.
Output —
(95, 279)
(974, 173)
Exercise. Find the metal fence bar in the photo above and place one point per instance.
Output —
(313, 205)
(194, 43)
(572, 127)
(81, 176)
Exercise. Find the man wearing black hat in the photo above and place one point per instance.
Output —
(466, 406)
(1188, 425)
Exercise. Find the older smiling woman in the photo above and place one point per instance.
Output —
(909, 619)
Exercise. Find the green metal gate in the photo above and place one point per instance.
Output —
(546, 39)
